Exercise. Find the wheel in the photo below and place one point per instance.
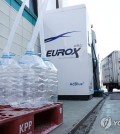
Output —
(109, 89)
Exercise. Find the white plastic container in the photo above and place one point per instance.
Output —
(68, 45)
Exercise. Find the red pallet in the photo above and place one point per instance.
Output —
(30, 121)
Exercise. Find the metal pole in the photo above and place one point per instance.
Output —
(33, 6)
(57, 3)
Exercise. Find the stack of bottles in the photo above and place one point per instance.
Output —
(31, 82)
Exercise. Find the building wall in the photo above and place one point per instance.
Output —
(24, 31)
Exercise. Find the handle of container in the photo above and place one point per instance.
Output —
(39, 28)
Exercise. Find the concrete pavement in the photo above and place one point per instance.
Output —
(108, 119)
(74, 112)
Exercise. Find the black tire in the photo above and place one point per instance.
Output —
(109, 89)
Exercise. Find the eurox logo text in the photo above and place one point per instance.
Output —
(64, 52)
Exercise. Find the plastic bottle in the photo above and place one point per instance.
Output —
(15, 97)
(52, 92)
(34, 79)
(11, 82)
(28, 81)
(41, 79)
(8, 82)
(3, 83)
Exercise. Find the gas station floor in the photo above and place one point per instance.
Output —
(74, 112)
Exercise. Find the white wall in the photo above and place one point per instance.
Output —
(23, 33)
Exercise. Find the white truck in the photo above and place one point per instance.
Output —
(68, 45)
(110, 67)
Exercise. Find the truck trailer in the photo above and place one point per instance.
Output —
(110, 67)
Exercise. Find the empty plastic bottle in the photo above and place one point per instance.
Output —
(15, 97)
(11, 82)
(35, 79)
(52, 92)
(3, 83)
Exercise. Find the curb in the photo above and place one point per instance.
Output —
(77, 125)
